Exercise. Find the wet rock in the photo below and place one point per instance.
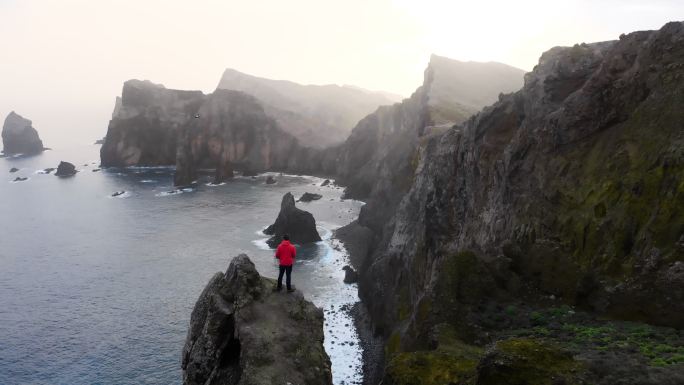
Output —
(19, 179)
(242, 332)
(13, 169)
(270, 180)
(325, 183)
(95, 170)
(350, 275)
(117, 193)
(300, 225)
(308, 197)
(65, 169)
(19, 136)
(48, 170)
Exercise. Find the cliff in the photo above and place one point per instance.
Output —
(226, 131)
(19, 136)
(567, 192)
(377, 162)
(242, 332)
(318, 115)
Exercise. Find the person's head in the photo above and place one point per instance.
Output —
(286, 237)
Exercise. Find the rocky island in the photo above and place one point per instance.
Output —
(242, 332)
(19, 136)
(300, 225)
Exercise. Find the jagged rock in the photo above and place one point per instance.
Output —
(48, 170)
(13, 170)
(100, 141)
(300, 225)
(270, 180)
(117, 193)
(243, 333)
(350, 275)
(308, 197)
(325, 183)
(19, 136)
(19, 179)
(358, 240)
(65, 169)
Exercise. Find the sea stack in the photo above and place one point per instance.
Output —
(19, 136)
(300, 225)
(243, 332)
(65, 169)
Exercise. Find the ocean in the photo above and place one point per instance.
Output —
(96, 289)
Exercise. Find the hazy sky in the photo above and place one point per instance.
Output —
(64, 61)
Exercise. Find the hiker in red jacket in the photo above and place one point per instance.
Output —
(286, 253)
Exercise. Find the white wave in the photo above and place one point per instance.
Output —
(261, 244)
(211, 184)
(148, 181)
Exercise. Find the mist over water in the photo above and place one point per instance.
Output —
(96, 289)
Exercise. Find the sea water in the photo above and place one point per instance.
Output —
(97, 289)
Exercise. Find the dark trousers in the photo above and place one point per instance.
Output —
(288, 271)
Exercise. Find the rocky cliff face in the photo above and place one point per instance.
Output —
(319, 116)
(19, 136)
(378, 161)
(242, 332)
(568, 191)
(226, 131)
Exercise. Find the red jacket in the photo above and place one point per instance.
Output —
(286, 253)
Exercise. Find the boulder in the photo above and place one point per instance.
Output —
(19, 136)
(13, 169)
(270, 180)
(19, 179)
(325, 182)
(350, 275)
(308, 197)
(300, 225)
(117, 193)
(242, 332)
(65, 169)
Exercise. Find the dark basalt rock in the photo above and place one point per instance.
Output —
(19, 136)
(242, 332)
(300, 225)
(350, 275)
(13, 169)
(270, 180)
(65, 169)
(325, 183)
(117, 193)
(19, 179)
(308, 197)
(48, 170)
(95, 170)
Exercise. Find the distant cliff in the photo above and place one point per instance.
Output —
(318, 115)
(226, 131)
(19, 136)
(568, 191)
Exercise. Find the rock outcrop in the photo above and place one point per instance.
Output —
(317, 115)
(65, 169)
(568, 191)
(300, 225)
(243, 333)
(19, 136)
(308, 197)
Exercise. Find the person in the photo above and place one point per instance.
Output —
(286, 254)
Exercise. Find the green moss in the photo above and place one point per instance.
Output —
(453, 362)
(430, 368)
(393, 344)
(523, 361)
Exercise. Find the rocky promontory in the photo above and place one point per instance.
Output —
(19, 136)
(300, 225)
(244, 333)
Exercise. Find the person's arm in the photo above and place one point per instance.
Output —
(277, 253)
(294, 252)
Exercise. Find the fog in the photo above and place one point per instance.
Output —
(64, 61)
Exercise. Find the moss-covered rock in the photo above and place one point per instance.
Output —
(520, 361)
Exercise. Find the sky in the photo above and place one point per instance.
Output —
(63, 62)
